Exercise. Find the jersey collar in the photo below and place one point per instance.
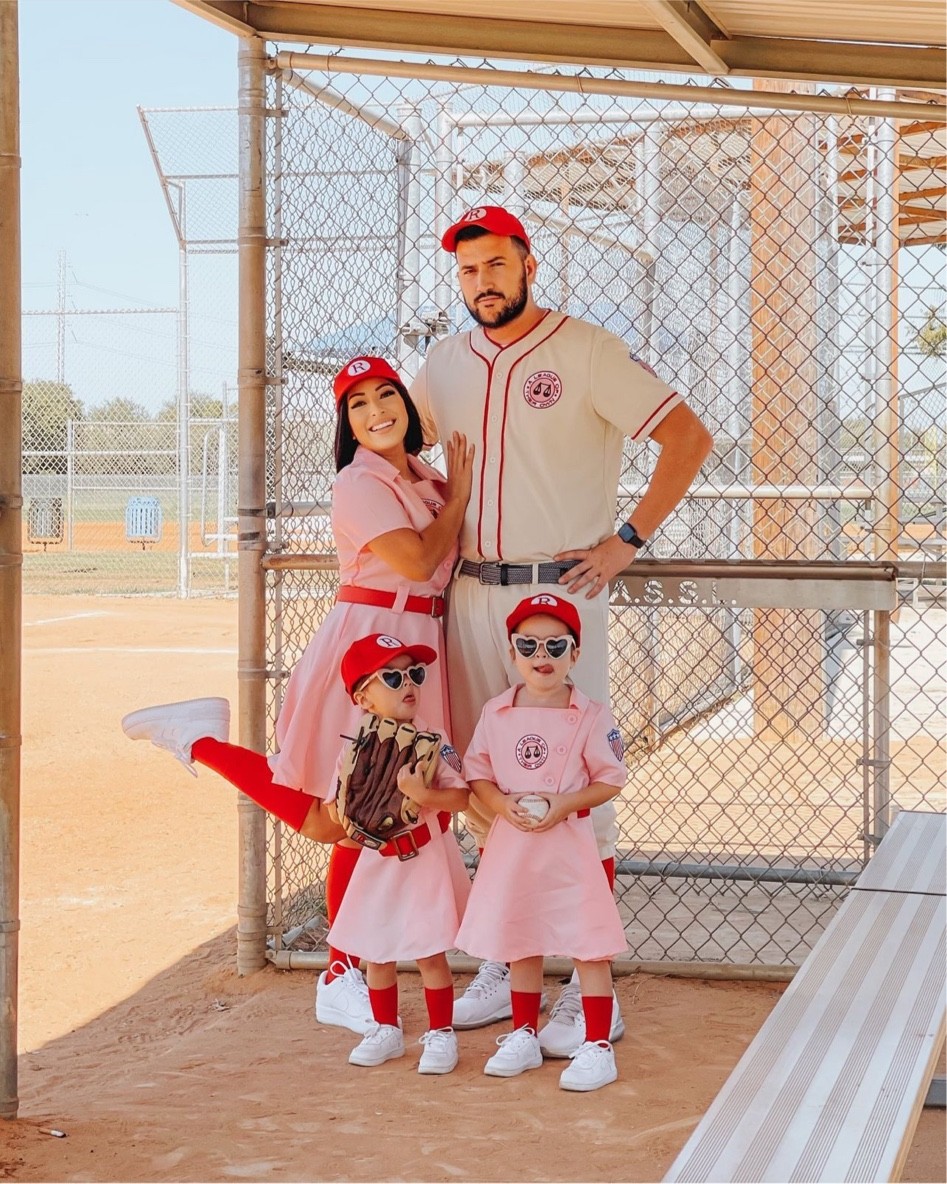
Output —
(543, 327)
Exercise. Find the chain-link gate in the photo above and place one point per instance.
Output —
(779, 270)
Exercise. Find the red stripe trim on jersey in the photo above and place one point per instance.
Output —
(506, 403)
(483, 442)
(655, 412)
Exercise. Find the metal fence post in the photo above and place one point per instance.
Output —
(251, 909)
(184, 424)
(11, 553)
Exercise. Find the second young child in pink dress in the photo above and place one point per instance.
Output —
(540, 888)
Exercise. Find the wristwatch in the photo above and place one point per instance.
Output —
(628, 534)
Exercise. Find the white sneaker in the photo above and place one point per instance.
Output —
(519, 1051)
(175, 726)
(382, 1042)
(593, 1065)
(440, 1051)
(486, 999)
(344, 1002)
(565, 1032)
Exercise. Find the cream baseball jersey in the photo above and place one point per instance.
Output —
(548, 415)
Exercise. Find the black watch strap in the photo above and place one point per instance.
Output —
(628, 534)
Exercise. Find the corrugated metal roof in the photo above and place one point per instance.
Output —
(872, 43)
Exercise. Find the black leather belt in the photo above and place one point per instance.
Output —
(517, 573)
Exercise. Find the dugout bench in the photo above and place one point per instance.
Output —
(834, 1082)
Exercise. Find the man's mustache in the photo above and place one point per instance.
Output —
(485, 295)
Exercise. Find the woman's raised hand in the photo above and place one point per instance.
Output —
(458, 457)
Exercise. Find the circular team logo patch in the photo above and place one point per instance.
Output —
(388, 643)
(531, 752)
(542, 389)
(474, 215)
(359, 366)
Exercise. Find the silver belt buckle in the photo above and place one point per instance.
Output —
(494, 570)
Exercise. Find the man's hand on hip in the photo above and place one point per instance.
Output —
(598, 565)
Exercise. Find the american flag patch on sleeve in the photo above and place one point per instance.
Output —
(616, 744)
(452, 757)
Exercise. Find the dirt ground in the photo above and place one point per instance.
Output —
(141, 1043)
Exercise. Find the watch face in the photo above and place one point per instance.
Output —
(628, 534)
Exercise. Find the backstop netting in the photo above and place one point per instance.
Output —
(780, 271)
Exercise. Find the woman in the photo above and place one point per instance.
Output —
(395, 521)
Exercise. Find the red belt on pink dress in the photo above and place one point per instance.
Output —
(407, 844)
(431, 606)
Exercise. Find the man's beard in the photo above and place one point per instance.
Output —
(508, 311)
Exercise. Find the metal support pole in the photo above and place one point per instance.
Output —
(408, 319)
(251, 665)
(581, 84)
(885, 411)
(184, 423)
(881, 759)
(70, 483)
(11, 551)
(443, 209)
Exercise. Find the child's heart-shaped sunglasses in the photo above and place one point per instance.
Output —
(395, 679)
(553, 647)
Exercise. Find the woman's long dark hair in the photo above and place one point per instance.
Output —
(345, 442)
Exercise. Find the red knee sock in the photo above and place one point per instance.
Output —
(384, 1004)
(342, 863)
(440, 1006)
(526, 1009)
(609, 867)
(250, 772)
(598, 1016)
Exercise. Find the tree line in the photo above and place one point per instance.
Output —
(48, 406)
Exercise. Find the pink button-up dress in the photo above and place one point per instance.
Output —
(369, 499)
(405, 909)
(543, 894)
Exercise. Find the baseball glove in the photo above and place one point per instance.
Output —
(371, 807)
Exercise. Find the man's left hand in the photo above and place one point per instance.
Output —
(597, 566)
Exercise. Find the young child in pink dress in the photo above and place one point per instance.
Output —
(540, 888)
(405, 908)
(395, 522)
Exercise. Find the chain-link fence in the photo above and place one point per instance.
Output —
(130, 452)
(779, 270)
(103, 508)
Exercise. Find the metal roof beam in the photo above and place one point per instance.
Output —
(683, 22)
(644, 49)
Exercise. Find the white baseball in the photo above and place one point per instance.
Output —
(536, 806)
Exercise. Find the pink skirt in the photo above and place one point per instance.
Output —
(317, 715)
(394, 909)
(542, 894)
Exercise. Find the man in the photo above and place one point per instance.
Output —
(547, 400)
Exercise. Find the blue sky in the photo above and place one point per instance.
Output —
(88, 184)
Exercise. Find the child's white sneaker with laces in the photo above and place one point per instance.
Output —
(565, 1032)
(176, 726)
(518, 1051)
(382, 1042)
(344, 1002)
(593, 1065)
(440, 1051)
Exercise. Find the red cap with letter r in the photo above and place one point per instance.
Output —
(494, 219)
